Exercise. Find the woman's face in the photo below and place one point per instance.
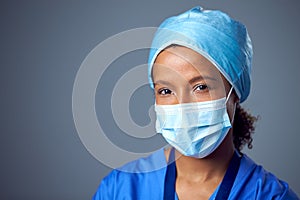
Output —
(181, 75)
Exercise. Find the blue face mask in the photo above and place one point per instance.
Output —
(194, 129)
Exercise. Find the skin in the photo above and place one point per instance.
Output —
(181, 75)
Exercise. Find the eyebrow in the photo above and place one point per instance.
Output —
(191, 81)
(162, 82)
(198, 78)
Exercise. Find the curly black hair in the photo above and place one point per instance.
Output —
(243, 128)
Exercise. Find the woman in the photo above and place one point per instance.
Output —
(199, 68)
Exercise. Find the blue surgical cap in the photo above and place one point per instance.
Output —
(220, 39)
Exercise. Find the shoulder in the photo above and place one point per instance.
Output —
(254, 182)
(139, 179)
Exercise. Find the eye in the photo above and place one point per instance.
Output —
(164, 91)
(200, 87)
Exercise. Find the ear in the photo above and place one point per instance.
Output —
(236, 99)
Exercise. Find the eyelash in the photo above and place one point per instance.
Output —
(160, 91)
(201, 86)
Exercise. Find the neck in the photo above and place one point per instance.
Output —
(212, 167)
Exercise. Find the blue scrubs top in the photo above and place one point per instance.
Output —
(252, 182)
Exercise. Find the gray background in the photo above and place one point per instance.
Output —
(42, 45)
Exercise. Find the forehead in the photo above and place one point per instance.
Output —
(184, 62)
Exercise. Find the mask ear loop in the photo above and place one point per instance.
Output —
(229, 93)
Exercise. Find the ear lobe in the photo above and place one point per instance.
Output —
(236, 100)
